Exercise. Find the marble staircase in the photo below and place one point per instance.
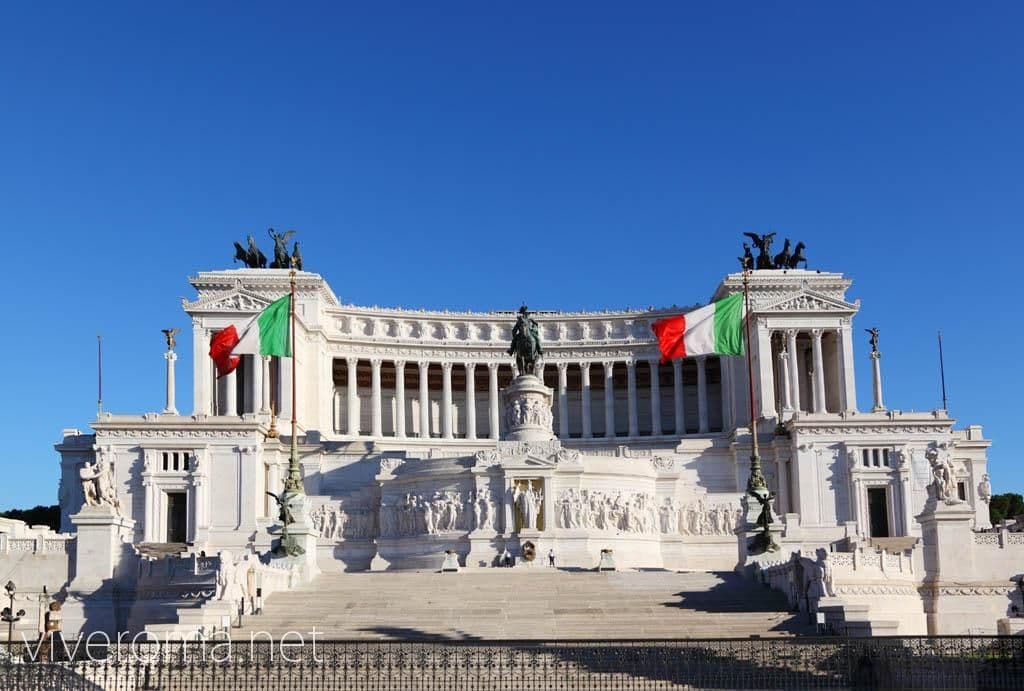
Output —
(535, 603)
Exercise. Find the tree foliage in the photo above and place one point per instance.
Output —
(1007, 505)
(37, 515)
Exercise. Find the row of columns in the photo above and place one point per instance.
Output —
(259, 381)
(447, 429)
(789, 373)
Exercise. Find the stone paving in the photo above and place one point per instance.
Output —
(494, 604)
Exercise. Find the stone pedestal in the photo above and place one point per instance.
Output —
(757, 544)
(948, 541)
(528, 410)
(302, 534)
(103, 538)
(876, 382)
(102, 548)
(607, 562)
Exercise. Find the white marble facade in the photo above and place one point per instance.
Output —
(406, 451)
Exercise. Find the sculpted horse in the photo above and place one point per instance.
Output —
(798, 256)
(781, 260)
(525, 343)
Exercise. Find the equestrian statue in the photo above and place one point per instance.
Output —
(526, 343)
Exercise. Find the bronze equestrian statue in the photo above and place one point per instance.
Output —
(526, 343)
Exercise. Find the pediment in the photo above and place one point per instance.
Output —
(235, 300)
(809, 301)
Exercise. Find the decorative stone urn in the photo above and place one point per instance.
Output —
(528, 410)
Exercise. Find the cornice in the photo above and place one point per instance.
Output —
(890, 422)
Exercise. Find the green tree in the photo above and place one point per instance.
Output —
(37, 515)
(1007, 505)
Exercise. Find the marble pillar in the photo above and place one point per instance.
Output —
(819, 372)
(634, 422)
(265, 391)
(230, 393)
(655, 397)
(876, 381)
(424, 400)
(492, 400)
(446, 400)
(793, 369)
(352, 396)
(563, 400)
(702, 394)
(609, 400)
(677, 394)
(784, 382)
(170, 408)
(586, 401)
(470, 400)
(376, 419)
(400, 399)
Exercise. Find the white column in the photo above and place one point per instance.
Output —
(424, 401)
(563, 399)
(819, 372)
(256, 365)
(492, 399)
(202, 376)
(400, 398)
(784, 382)
(855, 503)
(702, 394)
(794, 369)
(677, 393)
(848, 392)
(265, 389)
(765, 374)
(783, 467)
(588, 432)
(609, 400)
(376, 428)
(353, 396)
(876, 371)
(655, 397)
(230, 393)
(470, 400)
(725, 390)
(446, 400)
(170, 408)
(634, 424)
(908, 503)
(149, 499)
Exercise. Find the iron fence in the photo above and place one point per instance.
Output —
(470, 665)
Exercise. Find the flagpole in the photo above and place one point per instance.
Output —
(756, 480)
(942, 374)
(294, 482)
(99, 375)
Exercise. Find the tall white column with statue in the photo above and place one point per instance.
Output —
(876, 372)
(170, 408)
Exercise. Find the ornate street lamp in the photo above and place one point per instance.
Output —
(9, 615)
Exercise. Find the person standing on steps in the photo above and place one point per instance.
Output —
(551, 557)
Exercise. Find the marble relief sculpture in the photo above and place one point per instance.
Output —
(528, 500)
(637, 512)
(335, 522)
(445, 511)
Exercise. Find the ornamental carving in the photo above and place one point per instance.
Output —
(663, 463)
(389, 465)
(487, 458)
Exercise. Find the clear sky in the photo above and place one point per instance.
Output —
(466, 155)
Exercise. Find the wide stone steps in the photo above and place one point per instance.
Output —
(528, 604)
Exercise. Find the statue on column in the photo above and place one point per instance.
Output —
(526, 345)
(943, 477)
(873, 340)
(169, 334)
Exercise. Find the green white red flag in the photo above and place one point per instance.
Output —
(715, 329)
(266, 334)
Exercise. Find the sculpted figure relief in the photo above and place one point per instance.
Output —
(633, 512)
(528, 500)
(336, 522)
(445, 511)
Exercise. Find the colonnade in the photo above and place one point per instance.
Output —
(805, 377)
(352, 420)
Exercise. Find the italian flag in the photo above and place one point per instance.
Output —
(266, 334)
(715, 329)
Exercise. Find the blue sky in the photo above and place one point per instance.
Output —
(464, 155)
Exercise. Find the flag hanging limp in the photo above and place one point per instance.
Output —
(714, 329)
(266, 334)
